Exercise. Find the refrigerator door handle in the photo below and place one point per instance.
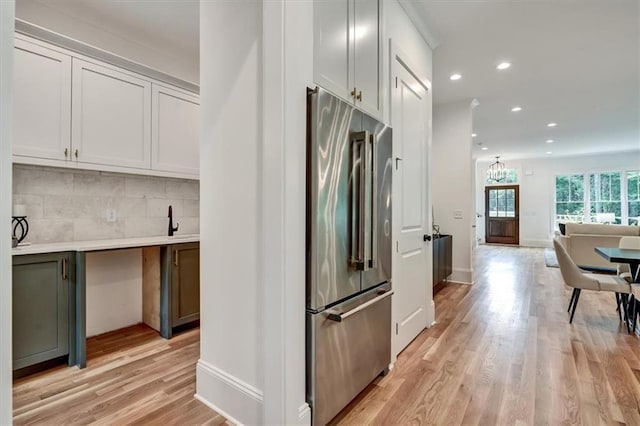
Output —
(367, 201)
(360, 217)
(341, 317)
(374, 203)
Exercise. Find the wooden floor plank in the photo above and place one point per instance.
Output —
(527, 364)
(502, 352)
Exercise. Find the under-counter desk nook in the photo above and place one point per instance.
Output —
(50, 294)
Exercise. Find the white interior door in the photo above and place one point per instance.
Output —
(412, 257)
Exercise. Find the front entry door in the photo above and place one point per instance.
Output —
(411, 273)
(502, 214)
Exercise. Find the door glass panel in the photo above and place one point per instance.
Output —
(502, 202)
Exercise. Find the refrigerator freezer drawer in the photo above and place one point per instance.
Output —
(346, 353)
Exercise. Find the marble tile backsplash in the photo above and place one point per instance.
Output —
(71, 205)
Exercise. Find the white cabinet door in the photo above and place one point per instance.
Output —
(175, 131)
(111, 117)
(333, 46)
(367, 56)
(347, 51)
(42, 102)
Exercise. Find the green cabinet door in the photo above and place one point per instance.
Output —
(179, 287)
(40, 308)
(185, 284)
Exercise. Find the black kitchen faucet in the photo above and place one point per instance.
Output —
(171, 228)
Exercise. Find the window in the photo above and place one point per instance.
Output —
(502, 202)
(633, 197)
(512, 177)
(569, 198)
(605, 206)
(607, 197)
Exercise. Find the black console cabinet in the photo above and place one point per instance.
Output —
(442, 258)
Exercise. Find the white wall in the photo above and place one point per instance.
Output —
(114, 290)
(47, 16)
(6, 106)
(251, 366)
(452, 167)
(288, 69)
(228, 376)
(537, 188)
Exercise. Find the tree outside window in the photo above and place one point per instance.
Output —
(605, 196)
(569, 198)
(633, 197)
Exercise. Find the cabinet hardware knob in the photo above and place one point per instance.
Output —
(175, 258)
(76, 153)
(66, 152)
(359, 96)
(353, 93)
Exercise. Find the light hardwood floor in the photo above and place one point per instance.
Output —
(502, 353)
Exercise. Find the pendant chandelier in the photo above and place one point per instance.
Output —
(497, 171)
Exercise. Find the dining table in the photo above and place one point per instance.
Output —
(623, 255)
(632, 258)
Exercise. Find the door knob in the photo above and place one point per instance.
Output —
(426, 237)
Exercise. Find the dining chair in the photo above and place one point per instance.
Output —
(575, 278)
(627, 243)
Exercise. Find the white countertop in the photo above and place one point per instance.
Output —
(98, 245)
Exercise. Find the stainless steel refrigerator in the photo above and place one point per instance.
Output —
(348, 307)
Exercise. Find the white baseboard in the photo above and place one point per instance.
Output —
(536, 243)
(461, 276)
(304, 414)
(236, 400)
(431, 314)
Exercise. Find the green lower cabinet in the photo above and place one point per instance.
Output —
(180, 293)
(185, 284)
(41, 307)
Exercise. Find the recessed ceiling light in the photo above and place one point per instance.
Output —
(503, 65)
(484, 148)
(549, 152)
(552, 124)
(473, 135)
(549, 140)
(454, 77)
(516, 109)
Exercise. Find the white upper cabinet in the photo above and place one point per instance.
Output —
(111, 117)
(333, 62)
(347, 51)
(42, 102)
(72, 110)
(175, 131)
(367, 55)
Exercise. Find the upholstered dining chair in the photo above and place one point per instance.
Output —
(624, 272)
(575, 278)
(632, 309)
(627, 243)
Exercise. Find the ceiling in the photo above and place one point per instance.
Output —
(160, 31)
(574, 62)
